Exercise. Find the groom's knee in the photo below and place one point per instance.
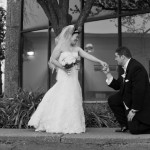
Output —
(133, 126)
(109, 100)
(134, 131)
(112, 100)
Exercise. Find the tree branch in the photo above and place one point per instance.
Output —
(85, 13)
(45, 8)
(50, 13)
(61, 12)
(56, 7)
(55, 18)
(65, 6)
(147, 31)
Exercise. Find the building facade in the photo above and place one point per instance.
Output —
(31, 31)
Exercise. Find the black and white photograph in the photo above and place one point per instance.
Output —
(74, 74)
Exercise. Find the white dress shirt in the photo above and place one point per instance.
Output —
(126, 65)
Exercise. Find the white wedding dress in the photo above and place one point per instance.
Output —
(61, 110)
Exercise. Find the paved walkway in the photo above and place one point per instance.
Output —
(93, 139)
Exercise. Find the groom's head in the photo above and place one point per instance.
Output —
(122, 54)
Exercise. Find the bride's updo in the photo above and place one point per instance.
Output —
(65, 34)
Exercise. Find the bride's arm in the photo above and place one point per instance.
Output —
(86, 55)
(54, 59)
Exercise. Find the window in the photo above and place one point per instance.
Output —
(35, 72)
(103, 36)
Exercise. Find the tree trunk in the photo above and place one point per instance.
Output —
(57, 13)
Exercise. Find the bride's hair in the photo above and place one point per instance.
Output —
(65, 35)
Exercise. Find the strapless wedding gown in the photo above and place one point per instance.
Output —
(61, 110)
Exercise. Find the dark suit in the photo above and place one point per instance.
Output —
(134, 91)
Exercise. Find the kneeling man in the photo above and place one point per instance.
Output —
(131, 104)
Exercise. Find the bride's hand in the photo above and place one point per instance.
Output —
(105, 67)
(104, 64)
(68, 71)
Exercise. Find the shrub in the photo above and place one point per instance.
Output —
(16, 112)
(99, 115)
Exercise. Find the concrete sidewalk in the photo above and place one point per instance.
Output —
(93, 139)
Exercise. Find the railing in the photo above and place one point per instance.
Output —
(111, 67)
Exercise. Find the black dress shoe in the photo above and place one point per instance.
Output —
(122, 129)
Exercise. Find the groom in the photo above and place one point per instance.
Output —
(131, 104)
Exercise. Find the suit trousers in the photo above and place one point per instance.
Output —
(135, 126)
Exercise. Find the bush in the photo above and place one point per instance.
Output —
(99, 115)
(16, 112)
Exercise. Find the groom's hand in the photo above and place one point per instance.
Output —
(105, 69)
(131, 115)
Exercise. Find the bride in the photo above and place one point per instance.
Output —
(60, 110)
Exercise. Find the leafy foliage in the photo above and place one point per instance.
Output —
(126, 5)
(2, 32)
(99, 115)
(132, 24)
(136, 24)
(16, 112)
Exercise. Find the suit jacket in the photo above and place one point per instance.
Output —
(135, 90)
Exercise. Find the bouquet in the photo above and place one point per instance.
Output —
(69, 62)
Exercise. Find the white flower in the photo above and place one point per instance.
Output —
(68, 60)
(123, 75)
(127, 80)
(63, 62)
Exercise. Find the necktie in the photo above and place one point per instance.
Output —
(124, 75)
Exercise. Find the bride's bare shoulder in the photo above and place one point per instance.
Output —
(77, 49)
